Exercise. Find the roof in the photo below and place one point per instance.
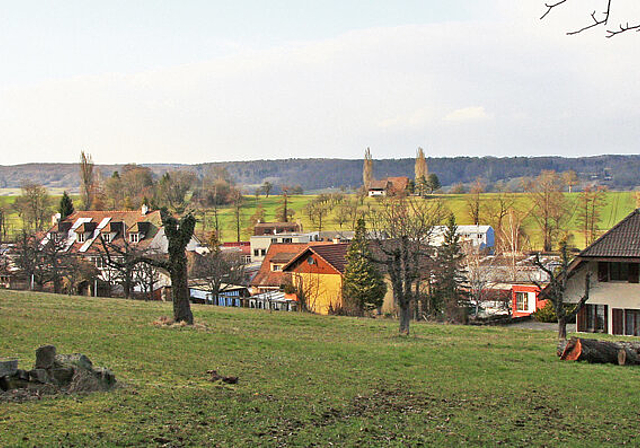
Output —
(104, 221)
(378, 184)
(284, 253)
(622, 240)
(333, 254)
(398, 184)
(276, 224)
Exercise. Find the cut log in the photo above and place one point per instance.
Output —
(591, 350)
(628, 357)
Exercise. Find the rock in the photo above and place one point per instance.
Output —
(12, 382)
(39, 375)
(22, 374)
(8, 368)
(106, 376)
(74, 359)
(62, 376)
(45, 357)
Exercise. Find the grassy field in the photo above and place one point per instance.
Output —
(307, 381)
(618, 205)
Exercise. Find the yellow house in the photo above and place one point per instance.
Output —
(317, 275)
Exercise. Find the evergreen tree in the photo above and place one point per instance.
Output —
(446, 292)
(66, 206)
(364, 287)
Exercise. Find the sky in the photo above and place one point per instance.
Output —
(197, 81)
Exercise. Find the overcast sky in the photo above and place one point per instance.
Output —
(200, 81)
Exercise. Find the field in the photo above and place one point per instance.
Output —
(618, 205)
(307, 381)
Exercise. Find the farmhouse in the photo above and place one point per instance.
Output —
(613, 261)
(388, 186)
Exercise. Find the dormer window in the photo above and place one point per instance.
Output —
(106, 237)
(134, 237)
(81, 237)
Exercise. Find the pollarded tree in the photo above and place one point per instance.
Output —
(87, 180)
(364, 287)
(421, 165)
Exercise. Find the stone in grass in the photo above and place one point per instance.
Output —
(9, 367)
(39, 376)
(74, 360)
(45, 357)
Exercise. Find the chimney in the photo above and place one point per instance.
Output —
(144, 209)
(55, 219)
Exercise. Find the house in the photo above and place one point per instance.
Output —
(613, 261)
(86, 233)
(274, 228)
(272, 300)
(259, 244)
(317, 275)
(270, 276)
(230, 295)
(388, 186)
(478, 236)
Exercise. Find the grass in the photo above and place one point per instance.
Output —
(618, 205)
(307, 381)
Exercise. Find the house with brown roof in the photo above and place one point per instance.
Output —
(270, 276)
(274, 228)
(87, 233)
(388, 186)
(317, 275)
(613, 261)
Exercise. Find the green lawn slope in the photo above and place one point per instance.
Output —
(307, 381)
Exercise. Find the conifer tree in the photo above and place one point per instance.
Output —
(364, 287)
(367, 169)
(66, 206)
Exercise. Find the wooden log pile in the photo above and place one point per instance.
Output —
(600, 352)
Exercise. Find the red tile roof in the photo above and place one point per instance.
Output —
(333, 254)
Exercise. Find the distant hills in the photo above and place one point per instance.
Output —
(620, 172)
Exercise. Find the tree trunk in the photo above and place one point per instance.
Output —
(592, 351)
(562, 328)
(180, 292)
(405, 318)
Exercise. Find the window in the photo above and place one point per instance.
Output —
(263, 252)
(287, 240)
(596, 318)
(133, 237)
(81, 237)
(276, 267)
(274, 240)
(256, 252)
(632, 322)
(619, 272)
(522, 301)
(106, 237)
(99, 262)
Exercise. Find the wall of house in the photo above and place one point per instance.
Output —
(534, 304)
(323, 292)
(614, 294)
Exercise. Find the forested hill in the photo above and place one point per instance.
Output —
(617, 171)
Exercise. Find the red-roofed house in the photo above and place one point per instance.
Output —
(388, 186)
(317, 274)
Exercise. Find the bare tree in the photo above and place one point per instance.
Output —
(590, 203)
(550, 206)
(87, 180)
(33, 206)
(474, 201)
(173, 189)
(237, 213)
(513, 237)
(556, 290)
(497, 208)
(220, 270)
(402, 230)
(421, 170)
(598, 18)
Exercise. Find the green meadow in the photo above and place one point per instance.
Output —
(306, 380)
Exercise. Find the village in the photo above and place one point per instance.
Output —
(319, 224)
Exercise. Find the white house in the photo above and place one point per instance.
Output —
(613, 261)
(260, 243)
(482, 236)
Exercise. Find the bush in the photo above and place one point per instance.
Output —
(546, 314)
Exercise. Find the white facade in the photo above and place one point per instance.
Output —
(478, 236)
(260, 243)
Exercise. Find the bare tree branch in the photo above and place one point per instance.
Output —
(596, 21)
